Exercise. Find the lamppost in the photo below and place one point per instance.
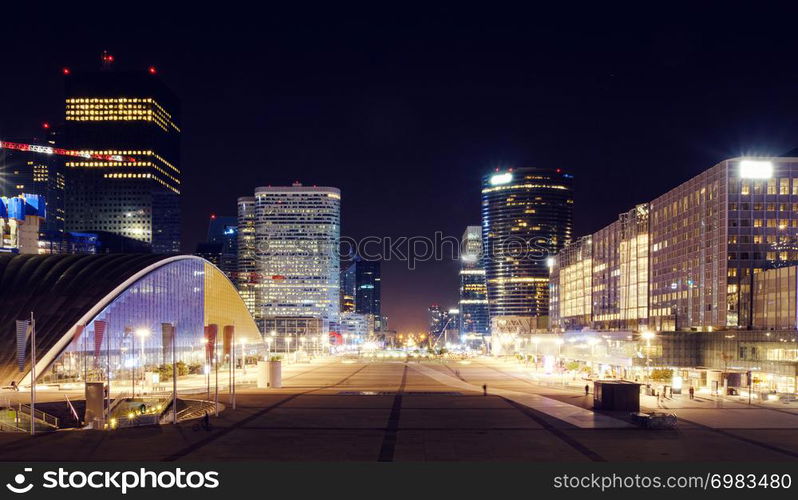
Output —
(143, 333)
(206, 369)
(648, 336)
(243, 356)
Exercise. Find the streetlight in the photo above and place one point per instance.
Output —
(206, 369)
(243, 356)
(143, 333)
(648, 336)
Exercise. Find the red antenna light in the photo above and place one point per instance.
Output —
(45, 125)
(152, 70)
(213, 216)
(559, 170)
(65, 71)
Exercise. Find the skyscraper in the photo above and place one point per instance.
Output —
(132, 114)
(527, 216)
(361, 290)
(247, 277)
(221, 245)
(362, 281)
(474, 317)
(437, 319)
(297, 229)
(348, 287)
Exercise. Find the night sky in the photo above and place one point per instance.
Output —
(404, 109)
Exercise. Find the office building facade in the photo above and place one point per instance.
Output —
(687, 259)
(527, 216)
(361, 290)
(221, 244)
(473, 304)
(247, 278)
(297, 230)
(134, 116)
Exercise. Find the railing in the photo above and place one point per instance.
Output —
(196, 409)
(15, 419)
(6, 427)
(119, 398)
(39, 415)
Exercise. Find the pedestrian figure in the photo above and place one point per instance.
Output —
(484, 389)
(206, 421)
(587, 389)
(691, 391)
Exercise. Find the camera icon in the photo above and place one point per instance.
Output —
(19, 480)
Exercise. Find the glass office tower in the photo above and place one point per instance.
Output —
(247, 278)
(133, 115)
(527, 216)
(474, 316)
(297, 230)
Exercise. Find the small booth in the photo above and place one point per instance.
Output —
(616, 395)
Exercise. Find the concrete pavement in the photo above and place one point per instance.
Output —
(423, 411)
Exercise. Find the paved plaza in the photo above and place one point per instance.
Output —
(389, 410)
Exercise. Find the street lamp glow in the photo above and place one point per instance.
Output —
(647, 335)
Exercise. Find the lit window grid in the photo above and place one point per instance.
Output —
(119, 109)
(297, 231)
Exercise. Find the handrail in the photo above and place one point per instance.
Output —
(10, 427)
(119, 398)
(39, 415)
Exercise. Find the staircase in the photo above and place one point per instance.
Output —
(18, 419)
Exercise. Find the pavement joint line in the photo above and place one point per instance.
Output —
(584, 450)
(203, 442)
(744, 439)
(566, 420)
(388, 447)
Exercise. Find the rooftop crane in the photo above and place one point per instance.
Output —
(49, 150)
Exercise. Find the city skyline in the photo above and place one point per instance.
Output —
(561, 238)
(295, 109)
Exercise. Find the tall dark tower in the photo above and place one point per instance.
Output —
(134, 114)
(527, 216)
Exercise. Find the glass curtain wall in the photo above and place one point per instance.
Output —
(130, 342)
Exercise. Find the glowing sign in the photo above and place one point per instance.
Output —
(498, 179)
(752, 169)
